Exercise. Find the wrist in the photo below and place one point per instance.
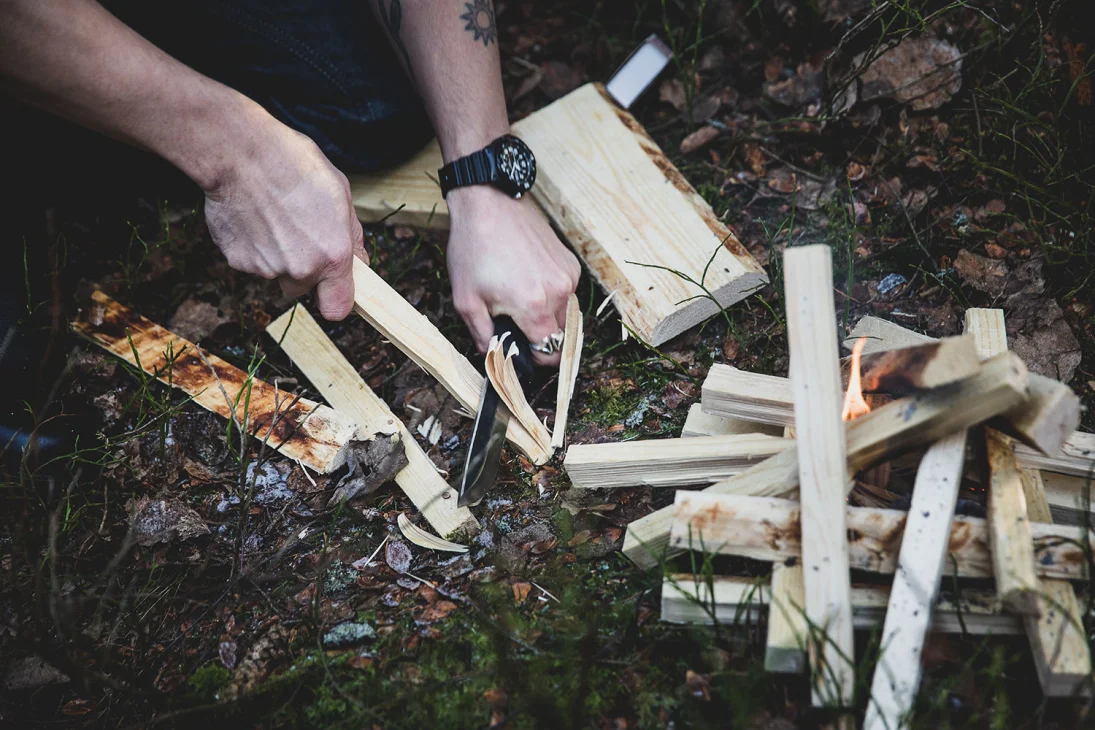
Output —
(468, 138)
(479, 202)
(218, 133)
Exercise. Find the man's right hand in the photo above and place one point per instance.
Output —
(283, 211)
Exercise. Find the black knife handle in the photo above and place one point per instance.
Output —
(522, 361)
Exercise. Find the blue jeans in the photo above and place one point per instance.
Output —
(323, 67)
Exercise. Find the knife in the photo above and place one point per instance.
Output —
(491, 421)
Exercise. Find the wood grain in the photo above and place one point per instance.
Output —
(407, 194)
(916, 583)
(732, 599)
(409, 330)
(898, 427)
(667, 462)
(338, 381)
(309, 432)
(823, 468)
(769, 529)
(626, 209)
(698, 423)
(569, 362)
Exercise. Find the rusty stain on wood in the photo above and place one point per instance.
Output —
(304, 430)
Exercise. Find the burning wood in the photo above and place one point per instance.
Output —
(854, 405)
(898, 427)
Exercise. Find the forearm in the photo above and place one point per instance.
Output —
(454, 66)
(75, 59)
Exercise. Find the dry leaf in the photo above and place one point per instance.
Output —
(436, 612)
(983, 274)
(398, 556)
(521, 591)
(702, 137)
(164, 520)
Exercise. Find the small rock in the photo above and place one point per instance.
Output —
(164, 520)
(891, 282)
(31, 672)
(925, 72)
(347, 635)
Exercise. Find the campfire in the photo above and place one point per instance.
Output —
(830, 501)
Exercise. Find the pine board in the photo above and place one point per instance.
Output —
(337, 380)
(309, 432)
(621, 204)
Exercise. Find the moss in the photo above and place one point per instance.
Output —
(208, 680)
(563, 522)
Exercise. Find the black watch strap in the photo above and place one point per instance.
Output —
(473, 169)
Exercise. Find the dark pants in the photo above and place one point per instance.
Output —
(323, 67)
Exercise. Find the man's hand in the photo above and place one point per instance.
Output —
(505, 259)
(285, 212)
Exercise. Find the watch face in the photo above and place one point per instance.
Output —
(516, 164)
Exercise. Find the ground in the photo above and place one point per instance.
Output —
(972, 189)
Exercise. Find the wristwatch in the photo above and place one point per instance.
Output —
(506, 163)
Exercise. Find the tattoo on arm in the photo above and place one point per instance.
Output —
(480, 19)
(393, 21)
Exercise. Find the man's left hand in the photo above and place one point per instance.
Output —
(504, 259)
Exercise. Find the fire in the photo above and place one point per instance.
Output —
(854, 404)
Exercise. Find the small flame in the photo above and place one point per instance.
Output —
(854, 404)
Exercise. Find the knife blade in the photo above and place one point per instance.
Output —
(491, 421)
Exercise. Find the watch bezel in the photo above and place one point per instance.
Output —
(501, 178)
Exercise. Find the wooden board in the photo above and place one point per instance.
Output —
(1009, 526)
(823, 469)
(409, 330)
(1069, 498)
(1076, 457)
(1043, 422)
(768, 529)
(1058, 642)
(765, 399)
(313, 434)
(337, 380)
(569, 362)
(1052, 616)
(698, 423)
(731, 393)
(411, 189)
(918, 367)
(667, 462)
(916, 583)
(624, 207)
(736, 600)
(897, 427)
(503, 376)
(788, 627)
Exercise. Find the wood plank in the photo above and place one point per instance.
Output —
(569, 362)
(1009, 526)
(1058, 641)
(823, 469)
(897, 427)
(732, 393)
(408, 194)
(916, 583)
(409, 330)
(667, 462)
(698, 423)
(312, 351)
(883, 335)
(624, 207)
(1069, 498)
(1043, 422)
(1076, 457)
(309, 432)
(768, 529)
(733, 599)
(919, 367)
(788, 628)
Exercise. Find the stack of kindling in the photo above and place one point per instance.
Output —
(800, 478)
